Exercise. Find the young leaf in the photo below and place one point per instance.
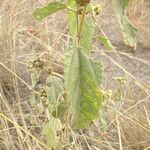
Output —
(60, 110)
(103, 120)
(87, 30)
(71, 16)
(41, 13)
(129, 31)
(86, 35)
(82, 77)
(49, 130)
(106, 42)
(54, 88)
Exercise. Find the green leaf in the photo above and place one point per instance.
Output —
(60, 110)
(34, 79)
(86, 35)
(87, 30)
(106, 42)
(103, 120)
(129, 31)
(50, 131)
(54, 88)
(82, 78)
(41, 13)
(72, 18)
(97, 67)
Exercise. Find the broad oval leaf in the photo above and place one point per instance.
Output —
(41, 13)
(129, 31)
(82, 78)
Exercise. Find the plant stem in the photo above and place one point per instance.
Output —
(77, 19)
(80, 26)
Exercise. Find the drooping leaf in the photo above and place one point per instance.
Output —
(87, 29)
(53, 89)
(60, 110)
(82, 77)
(106, 42)
(41, 13)
(129, 31)
(50, 132)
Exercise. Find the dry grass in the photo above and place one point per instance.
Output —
(22, 39)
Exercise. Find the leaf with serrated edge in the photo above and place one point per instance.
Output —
(41, 13)
(129, 31)
(82, 77)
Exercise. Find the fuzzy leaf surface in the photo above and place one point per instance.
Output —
(60, 110)
(82, 78)
(129, 31)
(53, 89)
(50, 131)
(105, 42)
(41, 13)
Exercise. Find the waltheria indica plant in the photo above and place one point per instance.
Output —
(78, 94)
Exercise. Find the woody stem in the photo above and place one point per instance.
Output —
(80, 24)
